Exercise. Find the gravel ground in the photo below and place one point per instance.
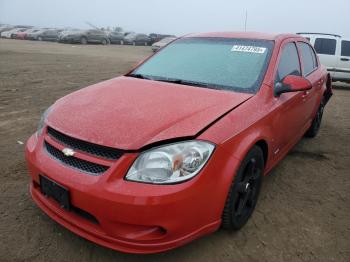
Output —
(304, 207)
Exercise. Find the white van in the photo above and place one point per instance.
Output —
(334, 53)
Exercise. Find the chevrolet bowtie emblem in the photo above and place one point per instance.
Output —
(68, 151)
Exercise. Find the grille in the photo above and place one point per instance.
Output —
(86, 166)
(90, 148)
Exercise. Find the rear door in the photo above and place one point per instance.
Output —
(311, 71)
(343, 70)
(326, 48)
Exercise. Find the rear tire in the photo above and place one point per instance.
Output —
(316, 122)
(121, 42)
(133, 43)
(244, 192)
(104, 42)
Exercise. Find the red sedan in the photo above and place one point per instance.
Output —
(176, 148)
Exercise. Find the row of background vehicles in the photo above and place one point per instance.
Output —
(96, 36)
(333, 50)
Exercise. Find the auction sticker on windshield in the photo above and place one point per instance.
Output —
(248, 49)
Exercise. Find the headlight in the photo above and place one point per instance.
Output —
(42, 122)
(171, 164)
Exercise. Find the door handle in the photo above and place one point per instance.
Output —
(344, 59)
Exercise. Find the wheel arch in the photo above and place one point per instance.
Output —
(264, 147)
(328, 91)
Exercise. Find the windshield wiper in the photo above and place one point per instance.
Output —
(141, 76)
(176, 81)
(188, 83)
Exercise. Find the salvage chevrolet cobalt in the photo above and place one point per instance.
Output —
(176, 148)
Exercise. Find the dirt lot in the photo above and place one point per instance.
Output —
(304, 208)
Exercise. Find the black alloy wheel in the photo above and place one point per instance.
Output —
(244, 191)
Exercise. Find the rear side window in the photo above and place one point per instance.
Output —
(325, 46)
(289, 62)
(345, 48)
(308, 58)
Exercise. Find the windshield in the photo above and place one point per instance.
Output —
(219, 63)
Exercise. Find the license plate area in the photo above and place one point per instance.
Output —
(55, 191)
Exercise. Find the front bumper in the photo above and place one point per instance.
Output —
(130, 217)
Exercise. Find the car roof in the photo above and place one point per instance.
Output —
(318, 34)
(246, 35)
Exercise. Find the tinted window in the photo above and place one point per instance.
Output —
(308, 58)
(325, 46)
(219, 63)
(345, 48)
(289, 62)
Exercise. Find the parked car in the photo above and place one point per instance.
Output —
(117, 37)
(156, 46)
(137, 39)
(177, 147)
(334, 53)
(35, 34)
(23, 35)
(11, 33)
(157, 37)
(48, 35)
(67, 32)
(4, 28)
(84, 37)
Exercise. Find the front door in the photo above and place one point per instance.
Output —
(288, 113)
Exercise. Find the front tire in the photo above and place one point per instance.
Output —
(40, 38)
(243, 195)
(316, 122)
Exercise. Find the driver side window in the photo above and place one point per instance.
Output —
(289, 63)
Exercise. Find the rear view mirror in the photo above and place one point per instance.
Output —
(292, 83)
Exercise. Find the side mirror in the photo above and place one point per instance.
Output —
(292, 83)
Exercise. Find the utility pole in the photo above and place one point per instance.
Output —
(245, 22)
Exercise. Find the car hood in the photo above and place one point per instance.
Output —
(129, 113)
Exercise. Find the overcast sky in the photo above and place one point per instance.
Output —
(183, 16)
